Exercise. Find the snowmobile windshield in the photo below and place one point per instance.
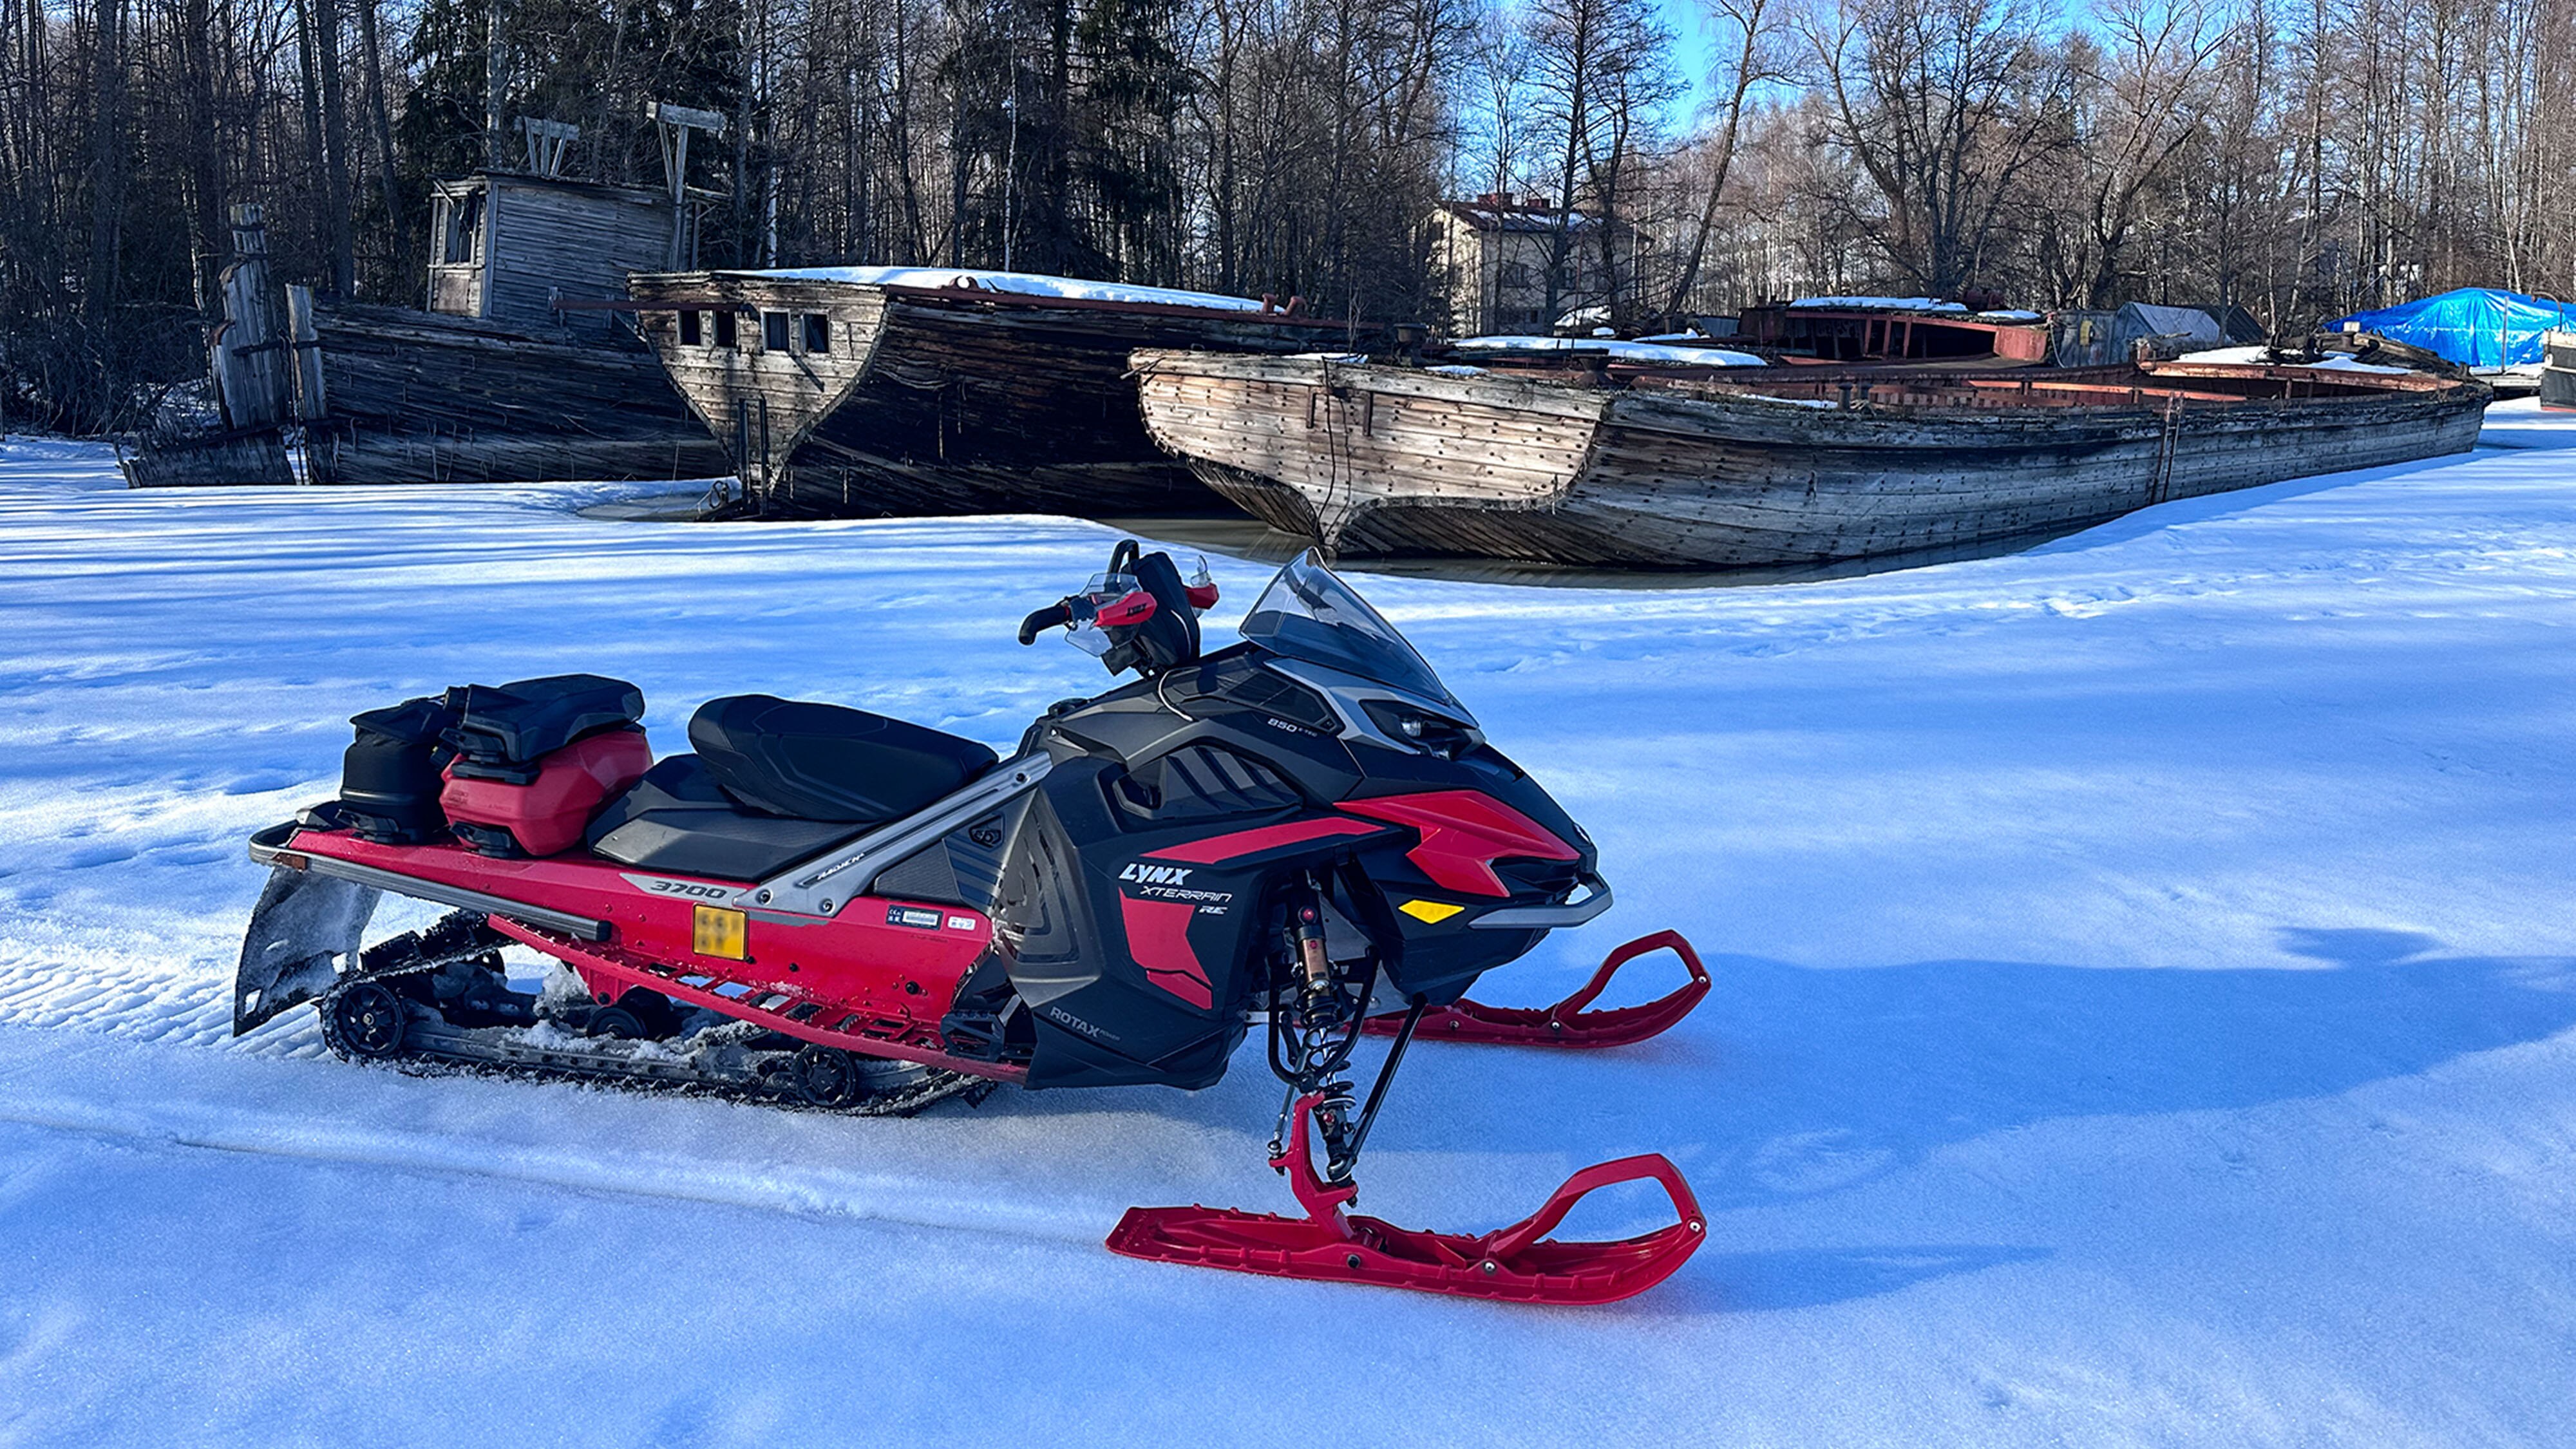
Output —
(1309, 614)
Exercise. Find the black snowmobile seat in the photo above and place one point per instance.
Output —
(812, 761)
(678, 819)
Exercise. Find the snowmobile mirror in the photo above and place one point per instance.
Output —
(1196, 580)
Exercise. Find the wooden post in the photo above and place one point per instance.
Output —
(310, 402)
(246, 355)
(674, 124)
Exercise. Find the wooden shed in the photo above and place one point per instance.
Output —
(506, 245)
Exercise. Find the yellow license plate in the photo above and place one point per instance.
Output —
(720, 932)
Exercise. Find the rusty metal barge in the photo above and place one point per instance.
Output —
(1765, 466)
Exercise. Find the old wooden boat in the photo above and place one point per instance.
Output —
(879, 392)
(2558, 372)
(1764, 466)
(519, 369)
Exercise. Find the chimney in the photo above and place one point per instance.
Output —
(1489, 200)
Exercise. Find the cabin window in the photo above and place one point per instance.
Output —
(773, 331)
(724, 329)
(689, 329)
(818, 332)
(464, 231)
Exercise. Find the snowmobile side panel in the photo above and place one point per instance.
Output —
(782, 1007)
(875, 960)
(304, 923)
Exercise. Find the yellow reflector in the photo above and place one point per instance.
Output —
(1430, 913)
(719, 933)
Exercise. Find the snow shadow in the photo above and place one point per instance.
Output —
(1794, 1082)
(1817, 1277)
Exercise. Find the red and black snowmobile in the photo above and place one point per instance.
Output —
(836, 909)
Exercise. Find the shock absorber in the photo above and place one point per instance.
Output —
(1314, 1023)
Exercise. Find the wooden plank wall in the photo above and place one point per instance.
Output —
(419, 397)
(583, 242)
(724, 384)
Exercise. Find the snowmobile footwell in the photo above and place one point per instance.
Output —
(1569, 1023)
(1518, 1263)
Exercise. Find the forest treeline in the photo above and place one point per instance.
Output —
(2297, 157)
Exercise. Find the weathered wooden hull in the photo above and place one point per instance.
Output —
(419, 397)
(242, 457)
(939, 401)
(1371, 460)
(2558, 376)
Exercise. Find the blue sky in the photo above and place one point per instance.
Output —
(1690, 53)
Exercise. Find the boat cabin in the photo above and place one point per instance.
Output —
(504, 245)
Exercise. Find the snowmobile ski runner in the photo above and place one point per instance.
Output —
(833, 909)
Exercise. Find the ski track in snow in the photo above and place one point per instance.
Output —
(2146, 1008)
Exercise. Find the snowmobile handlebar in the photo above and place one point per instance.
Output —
(1060, 612)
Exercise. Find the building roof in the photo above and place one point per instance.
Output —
(1492, 214)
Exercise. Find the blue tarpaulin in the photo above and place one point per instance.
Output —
(2474, 326)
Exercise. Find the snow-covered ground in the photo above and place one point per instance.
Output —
(2146, 1008)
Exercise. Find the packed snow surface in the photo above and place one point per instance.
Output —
(2146, 1006)
(1027, 284)
(2261, 355)
(1890, 304)
(1623, 351)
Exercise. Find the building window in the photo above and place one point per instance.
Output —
(818, 332)
(773, 331)
(1514, 275)
(689, 331)
(725, 329)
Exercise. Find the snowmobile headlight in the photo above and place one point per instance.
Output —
(1403, 724)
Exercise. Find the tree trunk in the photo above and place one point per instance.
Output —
(382, 123)
(109, 155)
(335, 147)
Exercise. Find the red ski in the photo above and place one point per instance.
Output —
(1519, 1263)
(1569, 1023)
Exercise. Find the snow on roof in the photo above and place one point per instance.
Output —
(1622, 351)
(2261, 356)
(1485, 218)
(2009, 314)
(1884, 304)
(1026, 284)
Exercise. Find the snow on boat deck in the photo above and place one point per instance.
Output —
(2147, 1005)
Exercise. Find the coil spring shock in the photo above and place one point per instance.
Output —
(1317, 1013)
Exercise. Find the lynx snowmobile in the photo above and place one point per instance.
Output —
(833, 909)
